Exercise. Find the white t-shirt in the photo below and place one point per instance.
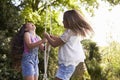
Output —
(71, 53)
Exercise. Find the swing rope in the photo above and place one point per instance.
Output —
(46, 52)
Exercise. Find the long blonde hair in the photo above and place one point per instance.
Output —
(76, 23)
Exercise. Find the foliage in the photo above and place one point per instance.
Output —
(111, 61)
(93, 59)
(43, 15)
(10, 21)
(113, 2)
(80, 73)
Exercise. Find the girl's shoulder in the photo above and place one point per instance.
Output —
(71, 33)
(26, 34)
(68, 31)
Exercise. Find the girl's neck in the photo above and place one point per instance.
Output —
(32, 32)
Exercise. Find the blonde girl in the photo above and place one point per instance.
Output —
(70, 49)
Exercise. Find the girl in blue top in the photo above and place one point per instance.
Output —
(28, 42)
(70, 49)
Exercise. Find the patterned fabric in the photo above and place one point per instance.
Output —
(65, 72)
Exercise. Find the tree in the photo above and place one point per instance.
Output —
(113, 2)
(111, 60)
(10, 21)
(38, 11)
(93, 60)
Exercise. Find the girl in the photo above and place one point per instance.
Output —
(27, 42)
(70, 51)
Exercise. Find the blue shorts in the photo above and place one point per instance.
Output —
(65, 72)
(29, 69)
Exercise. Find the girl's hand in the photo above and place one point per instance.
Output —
(44, 40)
(46, 34)
(53, 37)
(42, 47)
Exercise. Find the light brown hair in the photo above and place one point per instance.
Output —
(75, 21)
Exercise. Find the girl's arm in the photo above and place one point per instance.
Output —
(28, 42)
(53, 41)
(42, 46)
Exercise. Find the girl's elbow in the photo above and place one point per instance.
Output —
(29, 47)
(53, 45)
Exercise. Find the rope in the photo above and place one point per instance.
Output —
(46, 52)
(49, 48)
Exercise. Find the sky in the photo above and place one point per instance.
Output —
(105, 23)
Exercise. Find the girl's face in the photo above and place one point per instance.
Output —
(30, 27)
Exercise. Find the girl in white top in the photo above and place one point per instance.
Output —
(70, 49)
